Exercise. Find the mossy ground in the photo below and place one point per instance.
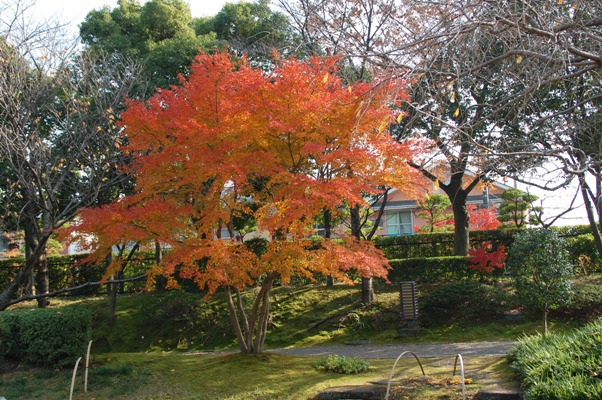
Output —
(300, 316)
(238, 377)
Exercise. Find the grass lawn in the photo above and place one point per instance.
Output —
(234, 376)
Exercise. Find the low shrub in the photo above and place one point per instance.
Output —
(561, 366)
(46, 337)
(341, 365)
(586, 302)
(583, 253)
(462, 301)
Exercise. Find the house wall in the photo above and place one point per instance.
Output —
(406, 209)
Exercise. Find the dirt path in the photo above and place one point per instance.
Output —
(392, 351)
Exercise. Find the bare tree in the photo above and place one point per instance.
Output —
(58, 133)
(359, 31)
(547, 91)
(509, 70)
(498, 84)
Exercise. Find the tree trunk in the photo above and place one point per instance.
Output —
(251, 332)
(457, 196)
(327, 235)
(461, 225)
(158, 253)
(368, 295)
(262, 320)
(112, 294)
(599, 195)
(42, 283)
(24, 274)
(260, 315)
(28, 288)
(590, 214)
(367, 291)
(238, 331)
(545, 320)
(35, 250)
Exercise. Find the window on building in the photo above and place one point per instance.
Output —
(399, 223)
(319, 230)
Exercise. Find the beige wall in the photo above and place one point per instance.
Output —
(396, 197)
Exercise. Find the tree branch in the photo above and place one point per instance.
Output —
(72, 289)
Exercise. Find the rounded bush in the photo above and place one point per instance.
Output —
(47, 337)
(341, 365)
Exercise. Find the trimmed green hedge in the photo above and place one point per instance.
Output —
(416, 246)
(435, 244)
(573, 230)
(583, 254)
(45, 337)
(582, 249)
(437, 269)
(67, 271)
(422, 257)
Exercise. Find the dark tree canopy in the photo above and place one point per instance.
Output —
(253, 28)
(159, 33)
(164, 35)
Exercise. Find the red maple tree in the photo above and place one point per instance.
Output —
(276, 147)
(486, 257)
(483, 219)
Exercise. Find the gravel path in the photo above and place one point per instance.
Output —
(392, 351)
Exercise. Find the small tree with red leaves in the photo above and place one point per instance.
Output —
(487, 257)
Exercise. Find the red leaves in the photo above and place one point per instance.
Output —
(291, 142)
(483, 219)
(486, 258)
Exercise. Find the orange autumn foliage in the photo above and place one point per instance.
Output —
(235, 140)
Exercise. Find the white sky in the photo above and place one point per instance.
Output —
(76, 10)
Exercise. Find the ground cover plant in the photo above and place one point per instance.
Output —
(561, 366)
(341, 365)
(306, 315)
(464, 301)
(302, 316)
